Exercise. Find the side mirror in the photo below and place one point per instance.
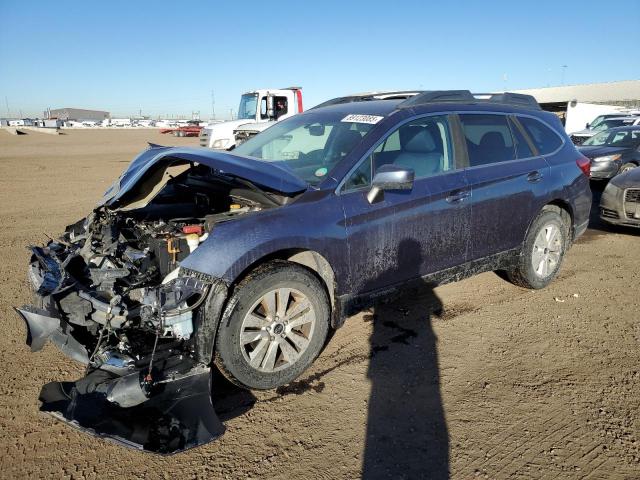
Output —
(587, 126)
(390, 177)
(270, 107)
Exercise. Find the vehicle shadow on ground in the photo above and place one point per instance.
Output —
(407, 433)
(229, 401)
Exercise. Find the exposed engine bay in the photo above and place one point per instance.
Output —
(123, 265)
(110, 293)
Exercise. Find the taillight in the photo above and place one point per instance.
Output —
(584, 164)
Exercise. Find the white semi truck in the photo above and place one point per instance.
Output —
(265, 105)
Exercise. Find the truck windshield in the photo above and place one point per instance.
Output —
(248, 106)
(309, 144)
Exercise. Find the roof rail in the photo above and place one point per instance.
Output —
(465, 96)
(363, 97)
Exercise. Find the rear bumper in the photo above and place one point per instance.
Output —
(578, 230)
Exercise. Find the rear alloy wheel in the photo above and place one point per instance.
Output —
(547, 250)
(543, 251)
(276, 329)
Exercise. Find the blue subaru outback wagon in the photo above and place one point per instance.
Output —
(247, 259)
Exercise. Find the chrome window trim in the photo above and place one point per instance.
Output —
(447, 113)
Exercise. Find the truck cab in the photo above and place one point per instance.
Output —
(264, 106)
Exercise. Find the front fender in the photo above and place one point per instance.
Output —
(234, 246)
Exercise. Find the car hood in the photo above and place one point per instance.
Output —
(629, 179)
(269, 175)
(585, 132)
(600, 150)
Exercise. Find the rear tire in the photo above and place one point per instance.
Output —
(542, 252)
(277, 327)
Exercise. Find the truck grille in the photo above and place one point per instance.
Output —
(204, 138)
(578, 140)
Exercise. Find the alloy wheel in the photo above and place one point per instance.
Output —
(277, 330)
(547, 250)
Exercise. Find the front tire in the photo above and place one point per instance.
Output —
(276, 329)
(542, 252)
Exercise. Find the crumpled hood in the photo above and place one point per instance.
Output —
(600, 150)
(270, 175)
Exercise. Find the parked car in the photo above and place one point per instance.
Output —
(578, 138)
(248, 259)
(612, 151)
(620, 201)
(600, 118)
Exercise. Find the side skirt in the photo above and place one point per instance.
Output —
(351, 304)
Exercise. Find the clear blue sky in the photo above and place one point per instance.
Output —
(165, 57)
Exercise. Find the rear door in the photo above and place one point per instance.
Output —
(409, 233)
(508, 180)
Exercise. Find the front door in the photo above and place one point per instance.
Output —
(407, 234)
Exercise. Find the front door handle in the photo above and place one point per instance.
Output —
(457, 196)
(534, 177)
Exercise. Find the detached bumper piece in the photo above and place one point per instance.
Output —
(118, 402)
(177, 418)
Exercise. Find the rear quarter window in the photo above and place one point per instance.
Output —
(544, 138)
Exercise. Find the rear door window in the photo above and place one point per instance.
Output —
(544, 138)
(523, 150)
(488, 138)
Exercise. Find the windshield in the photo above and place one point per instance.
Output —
(248, 106)
(596, 121)
(625, 138)
(607, 124)
(310, 144)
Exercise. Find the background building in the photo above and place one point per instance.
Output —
(578, 104)
(625, 94)
(76, 114)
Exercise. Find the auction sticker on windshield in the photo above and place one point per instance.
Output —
(353, 118)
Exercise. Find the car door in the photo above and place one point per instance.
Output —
(407, 234)
(507, 178)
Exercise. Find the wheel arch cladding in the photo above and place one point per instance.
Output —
(566, 212)
(562, 208)
(310, 259)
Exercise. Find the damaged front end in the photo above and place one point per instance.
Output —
(146, 386)
(110, 293)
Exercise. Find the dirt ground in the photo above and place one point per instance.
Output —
(504, 383)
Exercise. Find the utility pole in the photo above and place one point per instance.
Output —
(231, 112)
(213, 106)
(564, 69)
(6, 101)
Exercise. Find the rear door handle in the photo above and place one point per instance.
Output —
(534, 177)
(457, 196)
